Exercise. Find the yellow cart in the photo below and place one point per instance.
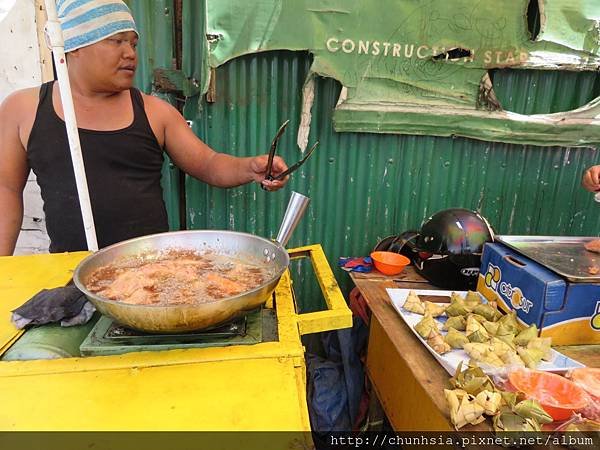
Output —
(259, 387)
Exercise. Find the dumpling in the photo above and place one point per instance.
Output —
(530, 356)
(437, 343)
(491, 314)
(457, 308)
(456, 339)
(414, 304)
(526, 335)
(474, 325)
(543, 344)
(435, 309)
(426, 325)
(456, 322)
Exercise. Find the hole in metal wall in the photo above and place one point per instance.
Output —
(533, 19)
(454, 54)
(528, 92)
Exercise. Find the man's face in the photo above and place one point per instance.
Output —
(110, 64)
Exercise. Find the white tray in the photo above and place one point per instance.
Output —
(451, 359)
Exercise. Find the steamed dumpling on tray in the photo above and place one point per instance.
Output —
(437, 343)
(435, 309)
(526, 335)
(480, 329)
(426, 325)
(459, 323)
(457, 308)
(455, 338)
(414, 304)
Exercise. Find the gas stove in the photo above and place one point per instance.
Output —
(109, 338)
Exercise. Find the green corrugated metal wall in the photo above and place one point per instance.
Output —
(366, 186)
(155, 19)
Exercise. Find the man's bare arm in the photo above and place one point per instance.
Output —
(13, 174)
(200, 161)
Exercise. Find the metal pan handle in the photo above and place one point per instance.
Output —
(295, 210)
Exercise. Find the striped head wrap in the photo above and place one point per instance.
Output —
(85, 22)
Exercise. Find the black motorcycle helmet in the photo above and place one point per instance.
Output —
(447, 251)
(402, 243)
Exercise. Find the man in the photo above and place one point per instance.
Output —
(123, 134)
(591, 179)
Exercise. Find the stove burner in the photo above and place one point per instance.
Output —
(120, 334)
(106, 338)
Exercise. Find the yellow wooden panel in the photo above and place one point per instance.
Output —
(338, 315)
(316, 322)
(21, 277)
(252, 394)
(406, 402)
(258, 387)
(329, 286)
(287, 327)
(143, 360)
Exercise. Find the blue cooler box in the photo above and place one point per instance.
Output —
(568, 312)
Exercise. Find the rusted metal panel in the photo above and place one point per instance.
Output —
(421, 68)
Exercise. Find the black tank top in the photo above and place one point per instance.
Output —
(123, 170)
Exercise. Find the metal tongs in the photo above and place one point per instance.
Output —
(269, 176)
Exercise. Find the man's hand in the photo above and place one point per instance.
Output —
(258, 168)
(591, 179)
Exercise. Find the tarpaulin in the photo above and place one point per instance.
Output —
(421, 66)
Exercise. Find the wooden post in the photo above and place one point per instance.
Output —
(57, 43)
(45, 54)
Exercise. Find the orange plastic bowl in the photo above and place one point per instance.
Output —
(389, 263)
(558, 396)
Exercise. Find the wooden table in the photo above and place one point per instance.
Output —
(407, 379)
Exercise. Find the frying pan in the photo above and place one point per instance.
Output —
(271, 254)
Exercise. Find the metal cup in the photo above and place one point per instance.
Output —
(295, 210)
